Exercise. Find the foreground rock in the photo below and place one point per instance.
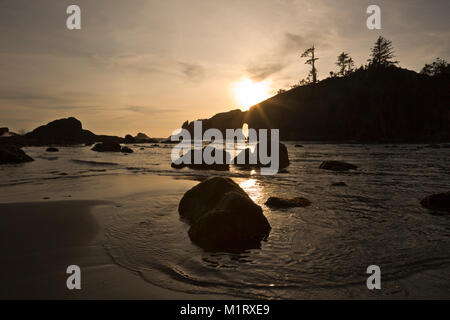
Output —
(224, 156)
(337, 166)
(439, 202)
(51, 149)
(223, 217)
(248, 155)
(13, 154)
(281, 203)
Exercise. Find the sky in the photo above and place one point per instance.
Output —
(149, 65)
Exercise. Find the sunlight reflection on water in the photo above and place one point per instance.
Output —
(253, 188)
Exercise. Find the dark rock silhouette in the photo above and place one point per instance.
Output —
(339, 184)
(3, 131)
(275, 202)
(52, 149)
(224, 166)
(369, 105)
(248, 155)
(140, 138)
(223, 217)
(13, 154)
(299, 146)
(107, 147)
(143, 136)
(126, 150)
(438, 202)
(129, 139)
(337, 166)
(67, 131)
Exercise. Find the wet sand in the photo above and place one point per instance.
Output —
(38, 240)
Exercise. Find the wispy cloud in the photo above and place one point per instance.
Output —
(193, 72)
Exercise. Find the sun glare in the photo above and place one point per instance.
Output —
(248, 93)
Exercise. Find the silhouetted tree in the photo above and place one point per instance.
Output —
(439, 66)
(310, 53)
(345, 64)
(382, 53)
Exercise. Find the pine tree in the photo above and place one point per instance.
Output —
(382, 53)
(345, 64)
(310, 53)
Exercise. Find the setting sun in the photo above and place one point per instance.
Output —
(248, 93)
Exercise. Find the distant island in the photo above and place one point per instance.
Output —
(67, 131)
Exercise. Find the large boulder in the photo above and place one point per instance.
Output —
(223, 217)
(247, 153)
(13, 154)
(337, 165)
(62, 131)
(438, 202)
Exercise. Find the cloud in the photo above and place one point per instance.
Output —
(193, 72)
(262, 71)
(150, 110)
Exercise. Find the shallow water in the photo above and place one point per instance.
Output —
(321, 250)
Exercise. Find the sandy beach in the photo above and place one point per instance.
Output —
(38, 240)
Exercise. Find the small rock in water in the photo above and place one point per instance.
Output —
(337, 165)
(438, 202)
(51, 149)
(275, 202)
(299, 146)
(126, 150)
(107, 147)
(339, 184)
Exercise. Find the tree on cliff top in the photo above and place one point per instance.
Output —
(309, 53)
(345, 64)
(382, 53)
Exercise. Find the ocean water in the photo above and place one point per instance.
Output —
(319, 251)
